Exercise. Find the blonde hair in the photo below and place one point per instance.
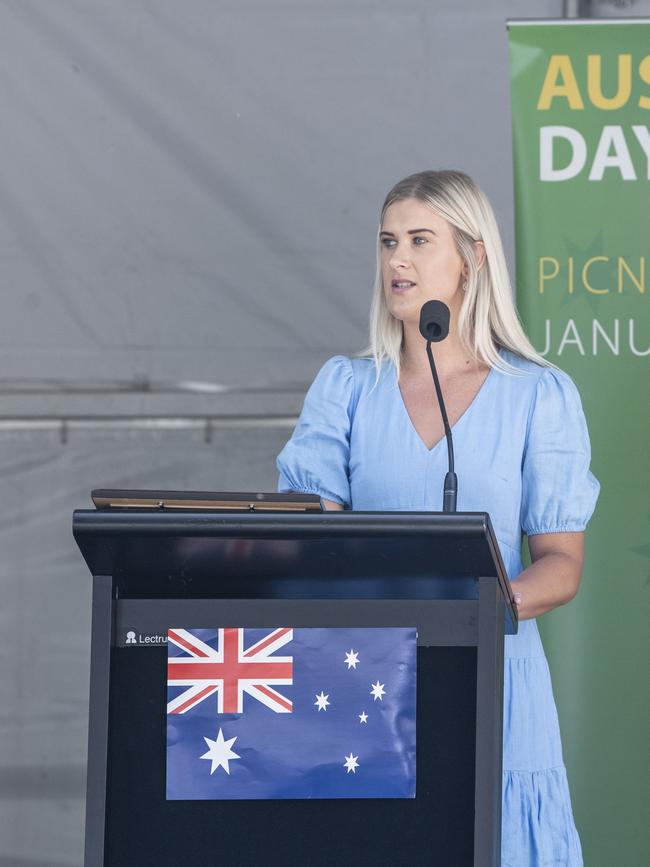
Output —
(488, 317)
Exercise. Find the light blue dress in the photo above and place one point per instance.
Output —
(522, 454)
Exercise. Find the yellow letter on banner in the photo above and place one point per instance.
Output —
(545, 275)
(595, 82)
(559, 68)
(585, 275)
(644, 72)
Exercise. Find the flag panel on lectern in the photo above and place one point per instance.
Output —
(291, 713)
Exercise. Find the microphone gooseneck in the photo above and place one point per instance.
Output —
(434, 327)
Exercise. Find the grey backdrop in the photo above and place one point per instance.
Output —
(188, 200)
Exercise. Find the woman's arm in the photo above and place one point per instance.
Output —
(332, 507)
(554, 576)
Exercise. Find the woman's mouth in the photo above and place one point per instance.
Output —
(402, 285)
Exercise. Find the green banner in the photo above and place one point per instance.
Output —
(581, 109)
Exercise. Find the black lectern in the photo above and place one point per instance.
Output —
(441, 573)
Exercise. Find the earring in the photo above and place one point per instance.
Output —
(465, 286)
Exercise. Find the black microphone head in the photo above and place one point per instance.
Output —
(434, 321)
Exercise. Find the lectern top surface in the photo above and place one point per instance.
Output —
(161, 521)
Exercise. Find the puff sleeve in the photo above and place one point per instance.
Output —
(316, 458)
(559, 492)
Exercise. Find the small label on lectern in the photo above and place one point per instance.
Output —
(135, 638)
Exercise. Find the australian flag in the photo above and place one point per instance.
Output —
(291, 713)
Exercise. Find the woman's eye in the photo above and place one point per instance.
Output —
(418, 240)
(388, 242)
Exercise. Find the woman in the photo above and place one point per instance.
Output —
(371, 437)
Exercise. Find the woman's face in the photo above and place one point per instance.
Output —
(419, 260)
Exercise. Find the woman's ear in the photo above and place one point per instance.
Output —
(479, 252)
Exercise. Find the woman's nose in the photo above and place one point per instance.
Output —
(399, 258)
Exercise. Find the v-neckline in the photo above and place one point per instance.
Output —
(453, 427)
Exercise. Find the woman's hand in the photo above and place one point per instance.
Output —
(554, 576)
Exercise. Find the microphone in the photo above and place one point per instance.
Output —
(434, 327)
(434, 321)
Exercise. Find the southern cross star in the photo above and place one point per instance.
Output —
(352, 659)
(363, 717)
(378, 691)
(321, 701)
(220, 752)
(351, 763)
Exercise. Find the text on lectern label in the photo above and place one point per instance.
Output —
(134, 638)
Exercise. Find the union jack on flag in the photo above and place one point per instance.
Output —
(230, 670)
